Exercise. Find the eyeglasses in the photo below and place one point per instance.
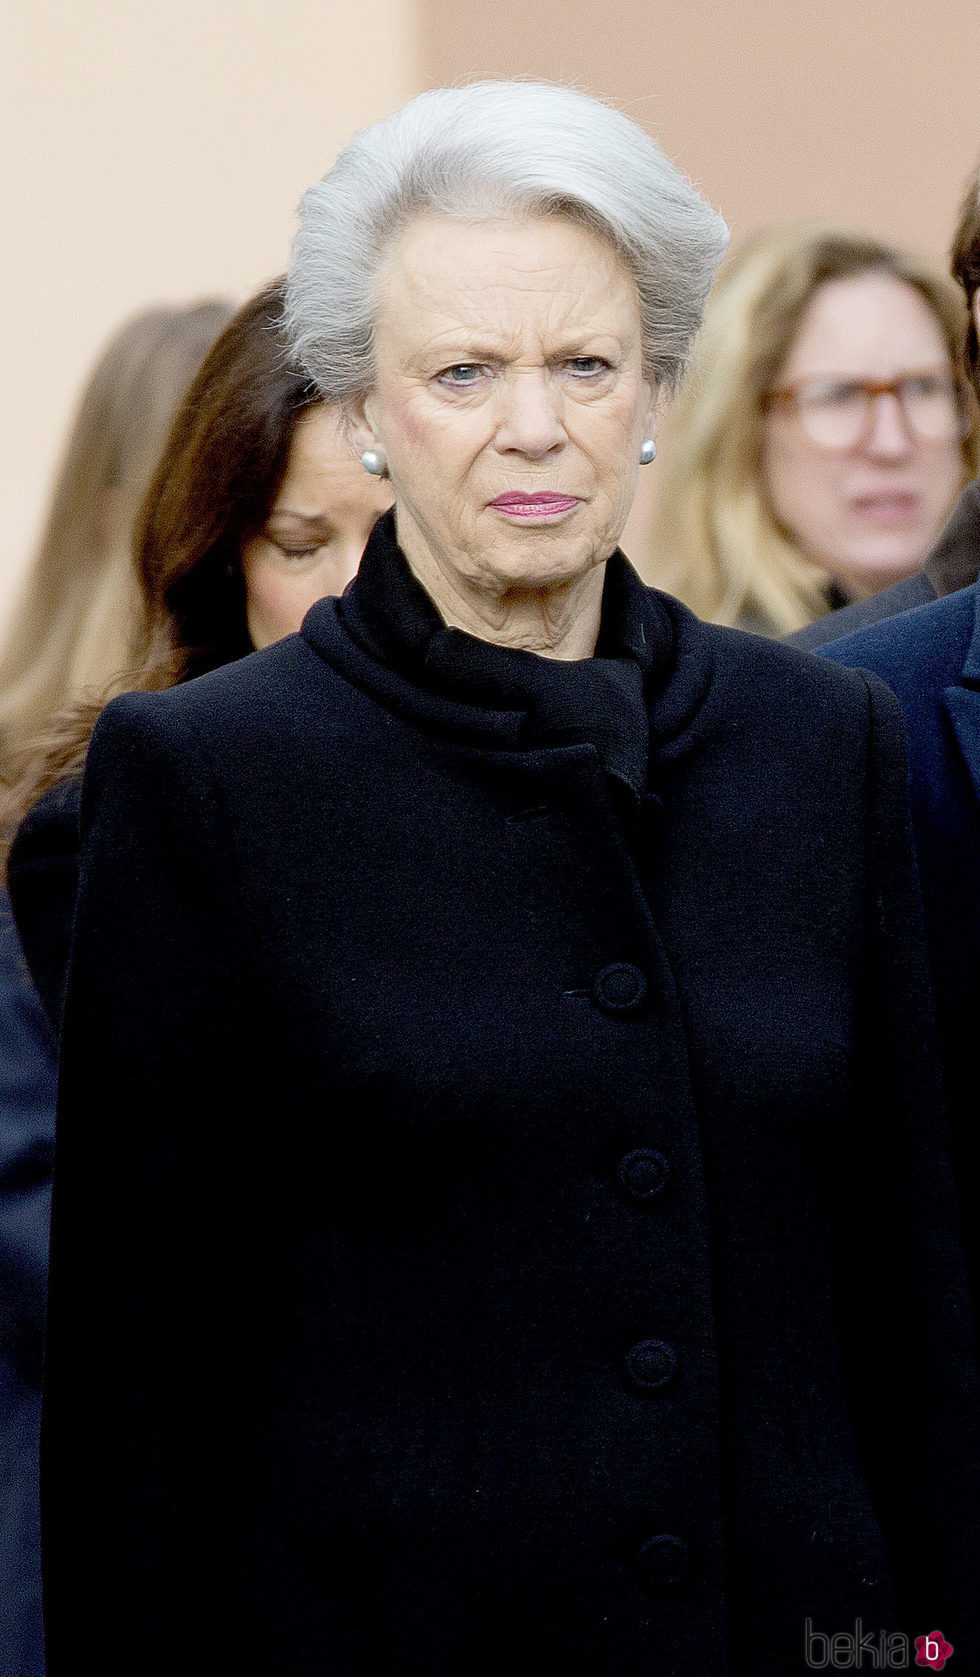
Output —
(839, 414)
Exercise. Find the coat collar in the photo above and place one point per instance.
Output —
(385, 636)
(955, 559)
(962, 700)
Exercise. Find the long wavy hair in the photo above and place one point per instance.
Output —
(73, 629)
(715, 542)
(213, 488)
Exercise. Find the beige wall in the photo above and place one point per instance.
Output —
(864, 110)
(154, 151)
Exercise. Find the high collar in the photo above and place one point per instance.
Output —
(598, 701)
(955, 559)
(653, 664)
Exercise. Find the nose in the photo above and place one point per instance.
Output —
(891, 436)
(530, 416)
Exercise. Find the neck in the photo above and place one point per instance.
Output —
(559, 620)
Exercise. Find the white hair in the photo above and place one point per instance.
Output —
(488, 150)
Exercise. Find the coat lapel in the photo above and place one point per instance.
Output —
(962, 701)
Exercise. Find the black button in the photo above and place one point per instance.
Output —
(643, 1174)
(651, 1365)
(619, 989)
(663, 1559)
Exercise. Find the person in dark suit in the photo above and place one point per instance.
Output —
(955, 560)
(930, 658)
(27, 1101)
(499, 1155)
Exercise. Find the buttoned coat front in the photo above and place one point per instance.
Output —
(491, 1235)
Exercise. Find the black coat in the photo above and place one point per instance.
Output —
(42, 876)
(952, 565)
(27, 1098)
(931, 660)
(497, 1232)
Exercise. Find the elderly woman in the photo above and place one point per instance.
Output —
(501, 1225)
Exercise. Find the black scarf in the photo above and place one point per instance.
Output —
(599, 701)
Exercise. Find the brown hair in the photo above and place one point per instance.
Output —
(73, 629)
(213, 489)
(716, 543)
(964, 264)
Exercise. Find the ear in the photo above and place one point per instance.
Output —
(362, 423)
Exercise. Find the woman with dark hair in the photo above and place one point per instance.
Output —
(257, 508)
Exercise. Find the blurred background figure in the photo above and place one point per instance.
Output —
(824, 433)
(928, 650)
(73, 633)
(258, 507)
(955, 560)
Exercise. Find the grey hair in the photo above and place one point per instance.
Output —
(480, 152)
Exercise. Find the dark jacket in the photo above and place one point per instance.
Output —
(953, 564)
(930, 659)
(501, 1223)
(27, 1100)
(42, 876)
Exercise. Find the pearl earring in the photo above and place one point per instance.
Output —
(373, 460)
(648, 452)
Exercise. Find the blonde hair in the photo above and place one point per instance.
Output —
(75, 625)
(715, 542)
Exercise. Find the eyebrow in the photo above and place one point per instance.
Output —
(299, 517)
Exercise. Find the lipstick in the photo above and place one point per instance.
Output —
(544, 503)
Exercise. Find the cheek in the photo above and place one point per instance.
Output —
(804, 490)
(276, 602)
(946, 474)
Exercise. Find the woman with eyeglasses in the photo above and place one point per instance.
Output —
(821, 443)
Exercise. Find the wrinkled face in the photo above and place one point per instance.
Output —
(313, 538)
(870, 514)
(510, 399)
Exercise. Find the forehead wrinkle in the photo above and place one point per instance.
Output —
(490, 331)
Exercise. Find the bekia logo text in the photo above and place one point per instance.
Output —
(861, 1650)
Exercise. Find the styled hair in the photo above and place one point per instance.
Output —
(481, 152)
(964, 263)
(72, 629)
(715, 542)
(213, 489)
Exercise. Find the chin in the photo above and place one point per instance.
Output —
(535, 565)
(871, 573)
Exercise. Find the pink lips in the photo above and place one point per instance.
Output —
(888, 510)
(544, 504)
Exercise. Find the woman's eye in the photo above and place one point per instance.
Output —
(832, 395)
(462, 376)
(298, 552)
